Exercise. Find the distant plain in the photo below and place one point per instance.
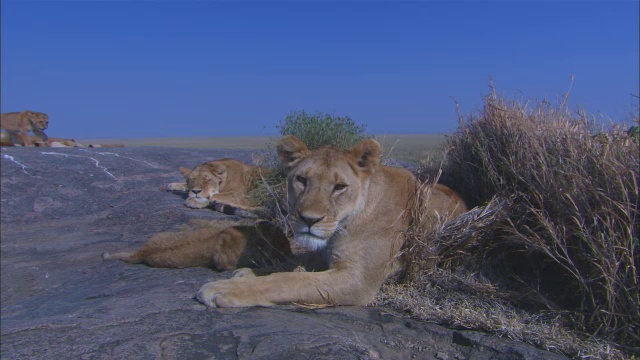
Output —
(408, 147)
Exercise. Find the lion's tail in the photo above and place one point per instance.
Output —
(124, 256)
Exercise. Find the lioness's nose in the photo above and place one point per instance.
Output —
(196, 191)
(310, 219)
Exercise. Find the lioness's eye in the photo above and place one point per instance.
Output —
(302, 180)
(339, 187)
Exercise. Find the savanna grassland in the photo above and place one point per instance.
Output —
(408, 147)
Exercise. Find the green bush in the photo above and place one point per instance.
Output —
(322, 129)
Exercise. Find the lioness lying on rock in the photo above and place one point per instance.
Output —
(353, 211)
(225, 181)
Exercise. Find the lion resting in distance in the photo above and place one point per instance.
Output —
(62, 142)
(18, 125)
(53, 142)
(5, 140)
(225, 181)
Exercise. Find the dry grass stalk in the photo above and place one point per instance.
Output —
(558, 230)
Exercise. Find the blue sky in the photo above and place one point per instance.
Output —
(130, 69)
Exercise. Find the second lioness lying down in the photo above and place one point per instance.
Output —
(344, 205)
(227, 181)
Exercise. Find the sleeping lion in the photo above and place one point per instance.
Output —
(225, 181)
(346, 208)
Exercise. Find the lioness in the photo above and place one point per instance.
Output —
(18, 125)
(225, 181)
(352, 210)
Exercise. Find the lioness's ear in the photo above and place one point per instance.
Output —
(367, 153)
(184, 170)
(291, 150)
(217, 169)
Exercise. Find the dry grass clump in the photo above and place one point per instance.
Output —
(462, 301)
(434, 288)
(271, 194)
(557, 231)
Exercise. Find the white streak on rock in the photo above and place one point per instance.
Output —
(14, 160)
(130, 158)
(87, 157)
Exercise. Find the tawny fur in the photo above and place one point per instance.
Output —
(354, 211)
(219, 246)
(64, 142)
(5, 138)
(18, 124)
(226, 181)
(53, 142)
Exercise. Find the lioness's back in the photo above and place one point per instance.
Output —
(10, 120)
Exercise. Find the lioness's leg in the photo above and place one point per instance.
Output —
(23, 132)
(24, 139)
(196, 203)
(39, 133)
(240, 201)
(177, 187)
(5, 138)
(332, 287)
(205, 247)
(226, 249)
(124, 256)
(232, 210)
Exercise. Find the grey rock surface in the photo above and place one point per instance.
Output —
(61, 208)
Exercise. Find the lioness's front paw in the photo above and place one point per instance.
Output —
(196, 203)
(243, 272)
(235, 292)
(177, 187)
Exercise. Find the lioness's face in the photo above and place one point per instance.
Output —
(326, 187)
(40, 121)
(204, 181)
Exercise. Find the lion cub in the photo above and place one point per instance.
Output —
(225, 181)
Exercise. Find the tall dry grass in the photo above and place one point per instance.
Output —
(556, 229)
